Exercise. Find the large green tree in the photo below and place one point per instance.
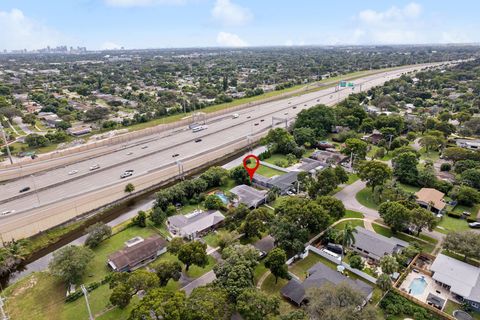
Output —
(338, 302)
(255, 305)
(193, 252)
(395, 215)
(356, 148)
(69, 263)
(466, 243)
(375, 173)
(160, 303)
(319, 118)
(167, 270)
(422, 218)
(276, 261)
(405, 168)
(208, 303)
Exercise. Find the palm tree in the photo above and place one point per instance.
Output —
(346, 236)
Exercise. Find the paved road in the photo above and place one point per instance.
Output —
(347, 196)
(152, 152)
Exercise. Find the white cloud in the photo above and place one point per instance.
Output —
(17, 31)
(141, 3)
(226, 39)
(392, 26)
(231, 14)
(110, 46)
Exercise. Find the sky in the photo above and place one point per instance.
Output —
(139, 24)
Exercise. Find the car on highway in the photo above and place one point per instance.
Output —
(285, 113)
(294, 107)
(198, 140)
(126, 173)
(4, 213)
(474, 225)
(306, 104)
(130, 153)
(318, 100)
(256, 124)
(249, 117)
(175, 155)
(72, 172)
(94, 167)
(24, 189)
(262, 120)
(235, 116)
(144, 147)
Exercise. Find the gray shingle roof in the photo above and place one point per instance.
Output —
(131, 256)
(266, 244)
(319, 275)
(248, 195)
(376, 244)
(190, 224)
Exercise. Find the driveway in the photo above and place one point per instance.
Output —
(203, 280)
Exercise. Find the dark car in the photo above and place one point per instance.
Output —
(175, 155)
(256, 124)
(262, 120)
(198, 140)
(294, 107)
(24, 189)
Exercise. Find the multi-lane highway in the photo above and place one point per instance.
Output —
(152, 153)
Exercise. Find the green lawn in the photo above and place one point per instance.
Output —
(271, 288)
(277, 157)
(365, 198)
(268, 172)
(353, 223)
(452, 306)
(260, 269)
(353, 214)
(473, 210)
(211, 239)
(352, 177)
(431, 155)
(299, 268)
(448, 224)
(408, 188)
(38, 296)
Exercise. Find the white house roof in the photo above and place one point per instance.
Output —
(195, 222)
(462, 277)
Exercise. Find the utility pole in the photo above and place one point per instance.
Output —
(3, 314)
(85, 294)
(6, 143)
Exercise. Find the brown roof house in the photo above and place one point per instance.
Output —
(137, 253)
(431, 199)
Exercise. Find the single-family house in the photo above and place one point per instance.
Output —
(373, 138)
(311, 165)
(431, 199)
(329, 157)
(285, 182)
(318, 276)
(468, 144)
(460, 278)
(249, 196)
(374, 245)
(79, 130)
(137, 253)
(194, 224)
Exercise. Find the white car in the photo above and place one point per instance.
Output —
(126, 174)
(72, 172)
(4, 213)
(235, 116)
(130, 153)
(94, 167)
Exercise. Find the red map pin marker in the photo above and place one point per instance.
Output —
(251, 171)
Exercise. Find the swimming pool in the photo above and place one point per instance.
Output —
(417, 286)
(222, 197)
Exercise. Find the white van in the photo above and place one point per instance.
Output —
(200, 128)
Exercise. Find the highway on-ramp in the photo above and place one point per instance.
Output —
(155, 152)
